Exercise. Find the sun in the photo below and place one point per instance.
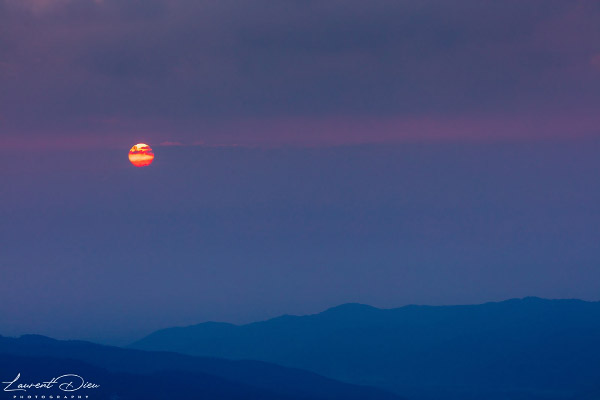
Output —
(141, 155)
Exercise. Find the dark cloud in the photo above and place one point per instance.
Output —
(185, 64)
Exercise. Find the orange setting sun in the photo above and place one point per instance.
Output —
(141, 155)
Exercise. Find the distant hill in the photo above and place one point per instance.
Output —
(527, 348)
(127, 386)
(127, 374)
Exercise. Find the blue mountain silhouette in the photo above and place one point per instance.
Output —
(527, 348)
(133, 374)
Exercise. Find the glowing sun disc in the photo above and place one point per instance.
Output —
(141, 155)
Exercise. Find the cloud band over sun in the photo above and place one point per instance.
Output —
(141, 155)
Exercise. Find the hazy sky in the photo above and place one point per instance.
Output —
(313, 153)
(109, 72)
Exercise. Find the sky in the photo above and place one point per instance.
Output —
(101, 72)
(307, 154)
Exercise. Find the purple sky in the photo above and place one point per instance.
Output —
(308, 153)
(111, 72)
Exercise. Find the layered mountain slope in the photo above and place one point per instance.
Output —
(522, 347)
(196, 377)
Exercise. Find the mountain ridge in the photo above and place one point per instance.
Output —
(259, 377)
(335, 310)
(404, 348)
